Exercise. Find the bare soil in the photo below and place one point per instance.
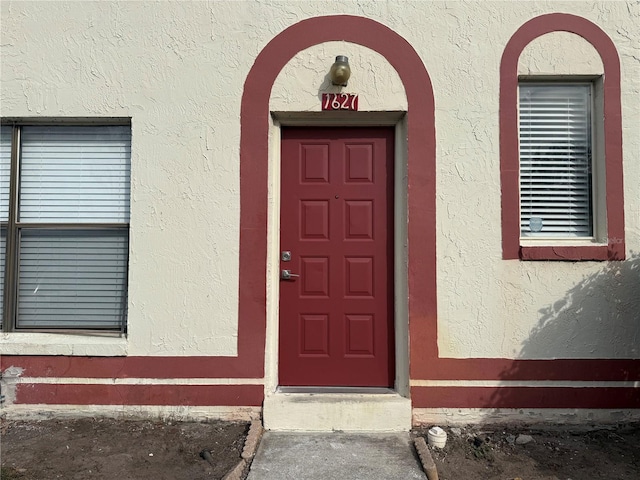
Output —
(491, 453)
(81, 449)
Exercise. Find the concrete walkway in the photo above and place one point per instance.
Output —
(339, 456)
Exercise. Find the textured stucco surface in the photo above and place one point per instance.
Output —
(560, 53)
(178, 68)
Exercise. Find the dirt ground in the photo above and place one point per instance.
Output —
(118, 449)
(83, 449)
(486, 453)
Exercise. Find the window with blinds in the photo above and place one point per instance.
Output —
(5, 170)
(71, 228)
(555, 160)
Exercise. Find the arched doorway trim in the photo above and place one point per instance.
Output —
(254, 156)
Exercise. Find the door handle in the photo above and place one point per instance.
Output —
(287, 275)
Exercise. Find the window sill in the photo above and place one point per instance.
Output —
(594, 252)
(19, 343)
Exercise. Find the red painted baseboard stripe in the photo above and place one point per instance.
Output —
(214, 367)
(253, 395)
(178, 395)
(508, 369)
(131, 367)
(525, 397)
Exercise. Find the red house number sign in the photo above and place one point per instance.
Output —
(339, 101)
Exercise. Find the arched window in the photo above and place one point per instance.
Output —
(561, 152)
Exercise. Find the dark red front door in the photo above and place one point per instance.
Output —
(336, 318)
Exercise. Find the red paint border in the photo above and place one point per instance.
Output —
(436, 369)
(557, 369)
(424, 362)
(509, 163)
(189, 395)
(525, 397)
(127, 367)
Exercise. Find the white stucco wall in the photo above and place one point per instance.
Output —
(560, 53)
(178, 68)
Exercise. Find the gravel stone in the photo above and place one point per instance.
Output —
(524, 439)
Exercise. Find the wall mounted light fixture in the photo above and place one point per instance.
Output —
(340, 71)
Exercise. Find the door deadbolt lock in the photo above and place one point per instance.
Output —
(286, 256)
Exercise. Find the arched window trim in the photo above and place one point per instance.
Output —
(614, 249)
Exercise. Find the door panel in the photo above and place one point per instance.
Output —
(336, 317)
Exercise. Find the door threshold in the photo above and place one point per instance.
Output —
(331, 409)
(321, 390)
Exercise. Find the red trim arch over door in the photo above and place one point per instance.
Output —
(254, 155)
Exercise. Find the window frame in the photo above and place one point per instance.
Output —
(14, 228)
(593, 84)
(611, 192)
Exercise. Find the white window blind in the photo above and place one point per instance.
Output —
(72, 279)
(75, 174)
(3, 245)
(555, 160)
(5, 168)
(72, 272)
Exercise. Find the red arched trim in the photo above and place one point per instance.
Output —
(254, 156)
(509, 162)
